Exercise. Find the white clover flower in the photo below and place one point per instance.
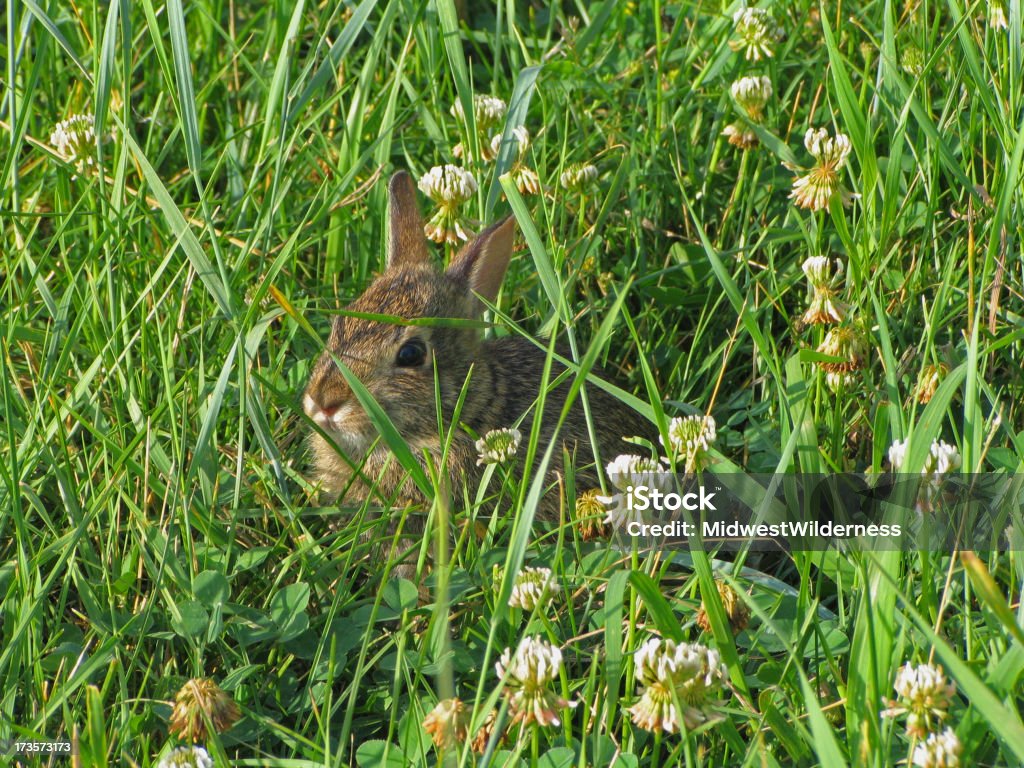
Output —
(619, 515)
(624, 472)
(923, 695)
(924, 688)
(740, 136)
(756, 32)
(825, 149)
(939, 750)
(487, 111)
(824, 306)
(629, 469)
(942, 459)
(527, 674)
(815, 188)
(187, 757)
(898, 454)
(818, 271)
(525, 178)
(997, 15)
(840, 381)
(689, 673)
(578, 176)
(498, 446)
(752, 94)
(449, 186)
(520, 137)
(533, 587)
(75, 141)
(690, 437)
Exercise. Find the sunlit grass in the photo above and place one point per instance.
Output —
(163, 304)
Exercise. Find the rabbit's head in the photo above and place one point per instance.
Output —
(396, 361)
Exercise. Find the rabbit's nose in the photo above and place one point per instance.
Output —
(323, 414)
(313, 408)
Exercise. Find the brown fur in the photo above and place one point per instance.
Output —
(505, 374)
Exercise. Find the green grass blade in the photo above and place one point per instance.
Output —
(337, 52)
(186, 98)
(43, 18)
(182, 231)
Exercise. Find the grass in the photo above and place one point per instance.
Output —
(162, 310)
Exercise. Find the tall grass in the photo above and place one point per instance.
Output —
(162, 310)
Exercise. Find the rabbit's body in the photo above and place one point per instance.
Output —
(396, 363)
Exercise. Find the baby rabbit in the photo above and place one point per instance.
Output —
(398, 363)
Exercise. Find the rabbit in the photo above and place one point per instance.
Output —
(397, 364)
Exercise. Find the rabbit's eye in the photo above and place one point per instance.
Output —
(413, 352)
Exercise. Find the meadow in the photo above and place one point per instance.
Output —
(803, 221)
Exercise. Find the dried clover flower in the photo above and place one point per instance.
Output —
(736, 610)
(590, 514)
(483, 736)
(201, 700)
(447, 723)
(824, 308)
(845, 343)
(931, 377)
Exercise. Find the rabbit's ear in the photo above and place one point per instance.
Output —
(407, 245)
(482, 263)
